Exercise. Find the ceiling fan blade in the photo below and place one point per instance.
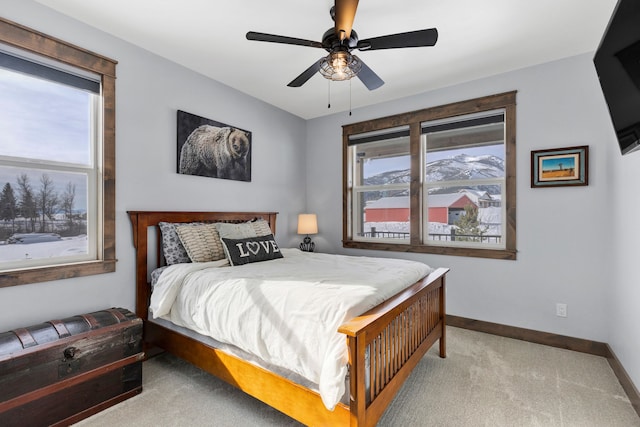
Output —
(272, 38)
(369, 78)
(345, 13)
(419, 38)
(306, 74)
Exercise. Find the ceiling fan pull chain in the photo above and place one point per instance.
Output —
(349, 97)
(329, 93)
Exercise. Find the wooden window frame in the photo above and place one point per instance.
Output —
(505, 101)
(35, 42)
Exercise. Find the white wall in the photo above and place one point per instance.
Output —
(149, 90)
(624, 321)
(564, 235)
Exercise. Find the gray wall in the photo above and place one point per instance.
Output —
(149, 90)
(624, 286)
(575, 245)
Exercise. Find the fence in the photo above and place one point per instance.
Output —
(385, 234)
(445, 237)
(452, 237)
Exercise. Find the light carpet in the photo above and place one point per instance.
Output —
(485, 380)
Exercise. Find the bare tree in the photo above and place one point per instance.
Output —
(47, 200)
(67, 202)
(26, 201)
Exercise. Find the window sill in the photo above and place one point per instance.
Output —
(45, 274)
(438, 250)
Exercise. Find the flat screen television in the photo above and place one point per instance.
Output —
(617, 62)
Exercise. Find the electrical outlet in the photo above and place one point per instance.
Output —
(561, 309)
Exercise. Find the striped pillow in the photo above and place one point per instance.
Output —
(261, 227)
(202, 242)
(172, 248)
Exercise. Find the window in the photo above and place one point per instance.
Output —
(382, 166)
(439, 180)
(57, 178)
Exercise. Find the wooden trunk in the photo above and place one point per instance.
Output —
(61, 371)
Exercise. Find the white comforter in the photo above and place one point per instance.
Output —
(285, 311)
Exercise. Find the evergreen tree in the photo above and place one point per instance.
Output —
(8, 205)
(469, 225)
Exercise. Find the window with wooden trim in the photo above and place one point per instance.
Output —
(57, 159)
(439, 180)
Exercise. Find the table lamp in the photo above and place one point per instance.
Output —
(307, 224)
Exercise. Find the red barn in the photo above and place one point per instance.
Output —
(388, 209)
(443, 208)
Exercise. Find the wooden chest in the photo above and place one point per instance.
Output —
(61, 371)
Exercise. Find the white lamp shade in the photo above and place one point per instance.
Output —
(307, 224)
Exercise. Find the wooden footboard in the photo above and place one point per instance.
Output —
(385, 343)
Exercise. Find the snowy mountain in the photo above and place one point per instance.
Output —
(463, 167)
(392, 177)
(459, 168)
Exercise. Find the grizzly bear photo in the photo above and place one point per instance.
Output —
(212, 149)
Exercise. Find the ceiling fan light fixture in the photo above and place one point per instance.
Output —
(340, 40)
(340, 65)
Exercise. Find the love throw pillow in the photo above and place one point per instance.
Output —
(251, 249)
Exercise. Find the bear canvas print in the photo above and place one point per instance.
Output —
(213, 149)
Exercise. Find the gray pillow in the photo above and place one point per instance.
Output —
(236, 231)
(255, 228)
(172, 248)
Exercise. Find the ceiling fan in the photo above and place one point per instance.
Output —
(339, 41)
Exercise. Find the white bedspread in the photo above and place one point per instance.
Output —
(285, 311)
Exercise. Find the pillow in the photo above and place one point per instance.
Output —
(242, 230)
(255, 228)
(251, 249)
(201, 242)
(261, 227)
(155, 275)
(235, 231)
(172, 248)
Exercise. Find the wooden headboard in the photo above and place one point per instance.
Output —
(143, 220)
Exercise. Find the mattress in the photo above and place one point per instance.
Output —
(284, 312)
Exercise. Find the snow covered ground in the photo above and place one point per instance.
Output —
(490, 217)
(65, 247)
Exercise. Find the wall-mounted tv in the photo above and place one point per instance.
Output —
(617, 63)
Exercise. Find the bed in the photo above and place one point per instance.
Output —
(384, 344)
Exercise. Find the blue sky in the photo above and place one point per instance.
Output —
(36, 113)
(48, 121)
(60, 180)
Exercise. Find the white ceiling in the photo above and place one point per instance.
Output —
(476, 39)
